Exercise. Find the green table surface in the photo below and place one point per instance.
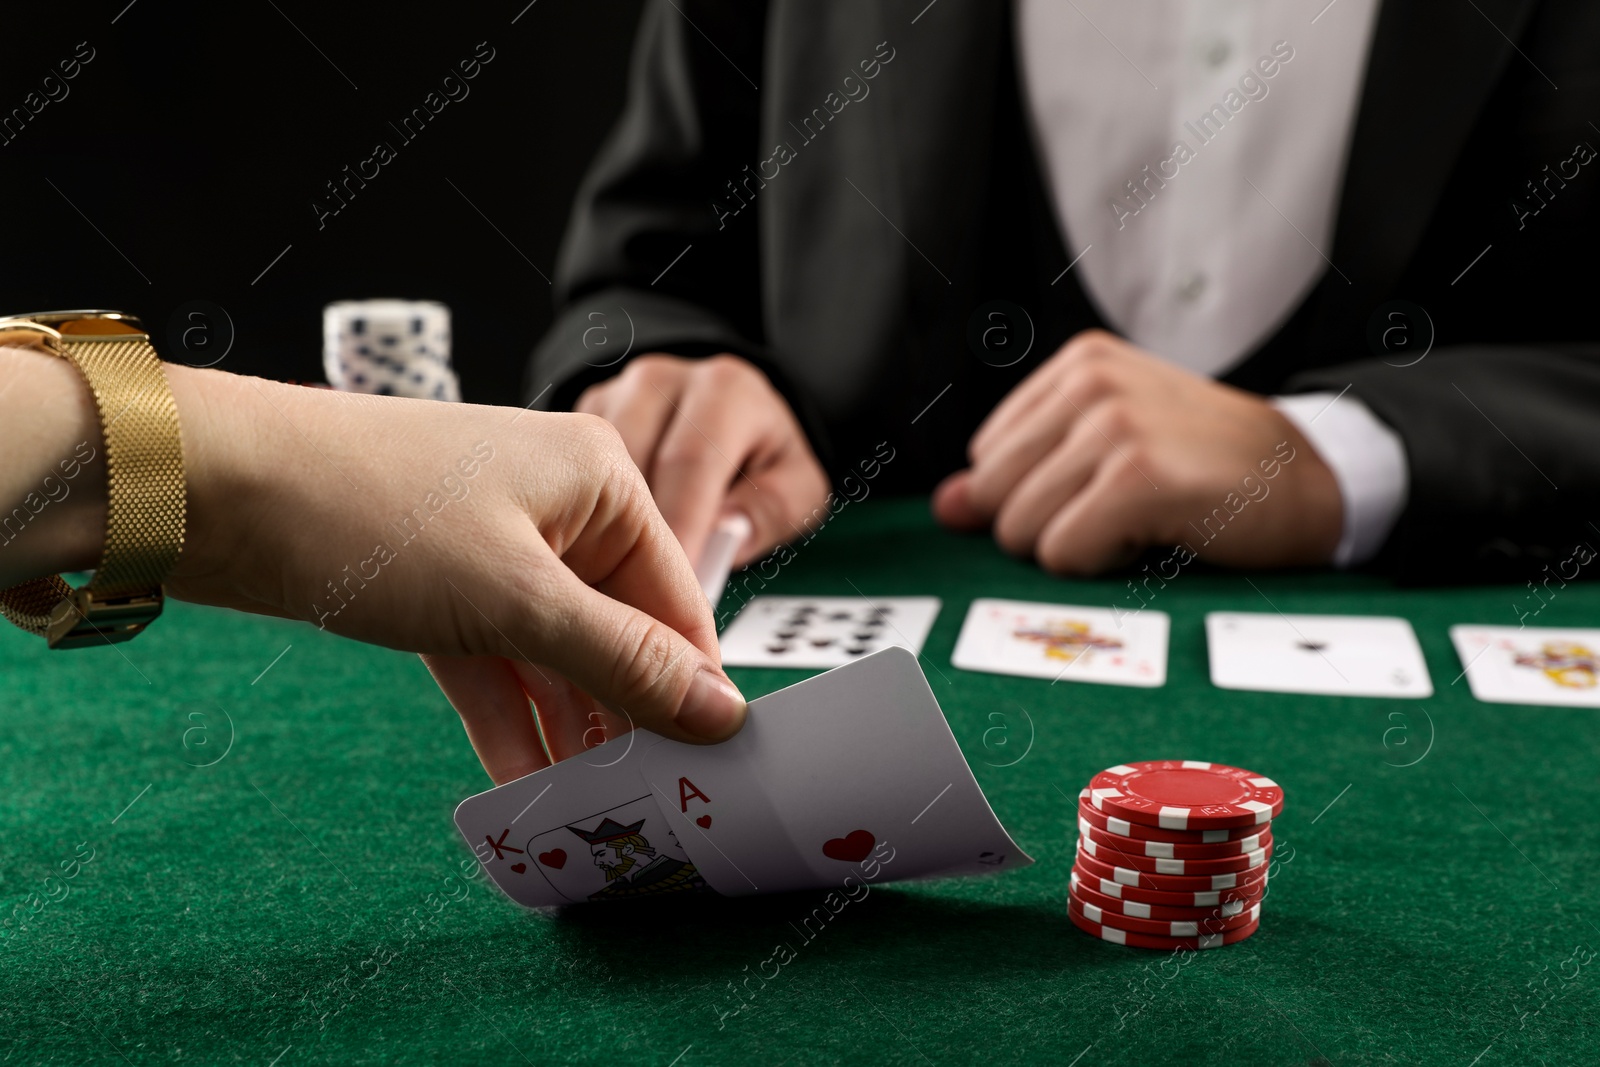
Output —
(230, 841)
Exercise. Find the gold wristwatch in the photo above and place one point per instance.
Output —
(147, 497)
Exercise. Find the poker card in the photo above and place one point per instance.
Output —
(852, 773)
(1336, 654)
(712, 798)
(1062, 642)
(622, 853)
(511, 826)
(824, 631)
(1531, 665)
(855, 763)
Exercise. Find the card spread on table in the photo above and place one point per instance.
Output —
(1063, 642)
(1531, 665)
(824, 631)
(1346, 655)
(854, 766)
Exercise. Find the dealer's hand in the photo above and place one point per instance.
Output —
(1105, 450)
(713, 436)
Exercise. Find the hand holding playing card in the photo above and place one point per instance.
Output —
(518, 551)
(1105, 450)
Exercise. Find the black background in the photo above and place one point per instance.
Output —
(198, 137)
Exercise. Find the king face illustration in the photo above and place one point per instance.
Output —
(631, 866)
(1571, 666)
(1066, 639)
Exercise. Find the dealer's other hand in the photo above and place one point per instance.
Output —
(713, 436)
(1106, 450)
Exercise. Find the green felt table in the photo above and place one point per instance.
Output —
(256, 818)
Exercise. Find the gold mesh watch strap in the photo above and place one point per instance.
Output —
(146, 506)
(29, 605)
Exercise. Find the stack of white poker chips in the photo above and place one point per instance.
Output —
(389, 348)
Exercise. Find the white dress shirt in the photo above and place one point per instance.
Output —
(1193, 150)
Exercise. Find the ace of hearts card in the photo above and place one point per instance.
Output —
(853, 763)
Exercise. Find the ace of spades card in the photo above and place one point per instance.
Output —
(1343, 655)
(1063, 642)
(853, 766)
(824, 631)
(1531, 665)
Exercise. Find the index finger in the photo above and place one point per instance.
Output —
(655, 577)
(703, 452)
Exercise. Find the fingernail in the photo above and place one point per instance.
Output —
(713, 708)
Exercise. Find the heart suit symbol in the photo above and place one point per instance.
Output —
(851, 848)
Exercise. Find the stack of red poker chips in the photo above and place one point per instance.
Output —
(1173, 854)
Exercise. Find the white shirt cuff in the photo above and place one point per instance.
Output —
(1368, 462)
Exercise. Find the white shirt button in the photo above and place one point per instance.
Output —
(1217, 53)
(1192, 285)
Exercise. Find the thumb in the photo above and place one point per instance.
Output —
(953, 507)
(637, 665)
(784, 503)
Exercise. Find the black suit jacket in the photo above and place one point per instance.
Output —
(850, 267)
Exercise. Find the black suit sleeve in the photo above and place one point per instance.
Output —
(649, 263)
(1503, 453)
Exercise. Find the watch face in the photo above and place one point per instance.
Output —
(52, 318)
(45, 329)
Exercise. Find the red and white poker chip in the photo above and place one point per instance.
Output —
(1251, 916)
(1156, 941)
(1170, 912)
(1118, 856)
(1186, 795)
(1101, 820)
(1210, 898)
(1169, 883)
(1168, 850)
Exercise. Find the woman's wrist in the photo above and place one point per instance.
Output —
(52, 487)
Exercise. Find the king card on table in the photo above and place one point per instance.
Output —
(1063, 642)
(1531, 665)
